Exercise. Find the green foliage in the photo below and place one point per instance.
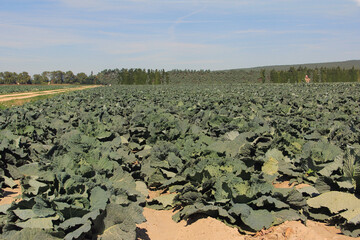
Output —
(317, 75)
(86, 159)
(351, 168)
(133, 76)
(213, 77)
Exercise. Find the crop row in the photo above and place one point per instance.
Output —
(87, 159)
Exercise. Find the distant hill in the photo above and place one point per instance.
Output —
(344, 64)
(246, 75)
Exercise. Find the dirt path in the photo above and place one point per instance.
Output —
(18, 96)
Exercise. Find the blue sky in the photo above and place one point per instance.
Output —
(92, 35)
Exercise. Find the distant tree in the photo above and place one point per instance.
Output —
(57, 77)
(274, 76)
(10, 77)
(81, 78)
(167, 77)
(292, 75)
(69, 77)
(262, 75)
(125, 76)
(91, 79)
(38, 79)
(46, 76)
(2, 81)
(157, 77)
(24, 78)
(353, 75)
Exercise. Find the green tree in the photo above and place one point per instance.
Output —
(10, 77)
(24, 78)
(262, 75)
(2, 81)
(167, 78)
(157, 79)
(57, 77)
(353, 75)
(38, 79)
(274, 77)
(69, 77)
(292, 75)
(81, 78)
(46, 76)
(91, 79)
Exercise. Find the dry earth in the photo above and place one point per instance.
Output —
(160, 226)
(10, 194)
(18, 96)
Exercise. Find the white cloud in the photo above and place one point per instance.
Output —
(358, 2)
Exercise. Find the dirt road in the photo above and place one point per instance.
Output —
(18, 96)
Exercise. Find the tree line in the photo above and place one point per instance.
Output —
(132, 76)
(137, 76)
(47, 77)
(124, 76)
(297, 75)
(213, 77)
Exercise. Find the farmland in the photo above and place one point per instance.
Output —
(6, 89)
(87, 159)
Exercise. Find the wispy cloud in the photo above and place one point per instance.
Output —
(358, 2)
(182, 20)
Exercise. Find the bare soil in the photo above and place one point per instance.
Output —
(10, 194)
(286, 184)
(160, 226)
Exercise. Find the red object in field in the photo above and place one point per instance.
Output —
(307, 79)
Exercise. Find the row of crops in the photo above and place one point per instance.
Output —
(5, 89)
(86, 159)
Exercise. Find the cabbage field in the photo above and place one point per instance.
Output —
(86, 159)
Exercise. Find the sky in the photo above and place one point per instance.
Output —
(93, 35)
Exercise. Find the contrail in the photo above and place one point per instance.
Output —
(181, 19)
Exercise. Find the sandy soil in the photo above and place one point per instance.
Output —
(17, 96)
(286, 184)
(160, 226)
(10, 194)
